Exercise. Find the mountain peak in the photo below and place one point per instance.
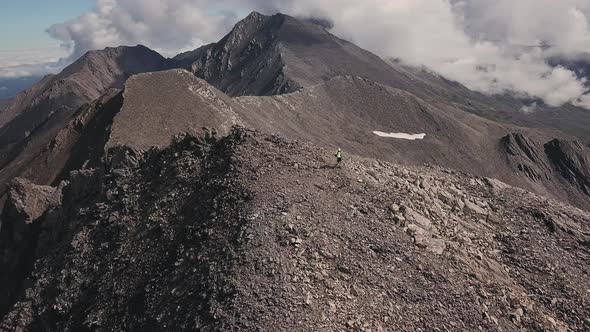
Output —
(254, 16)
(267, 55)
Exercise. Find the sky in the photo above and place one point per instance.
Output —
(499, 46)
(23, 22)
(26, 49)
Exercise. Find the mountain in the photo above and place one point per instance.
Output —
(332, 93)
(345, 112)
(201, 193)
(84, 81)
(10, 87)
(255, 232)
(31, 120)
(267, 55)
(3, 104)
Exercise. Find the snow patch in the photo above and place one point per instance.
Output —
(400, 135)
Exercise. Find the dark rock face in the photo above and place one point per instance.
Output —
(254, 232)
(64, 144)
(572, 161)
(557, 161)
(19, 234)
(245, 62)
(526, 156)
(31, 120)
(269, 55)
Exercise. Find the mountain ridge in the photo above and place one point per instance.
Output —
(191, 200)
(252, 231)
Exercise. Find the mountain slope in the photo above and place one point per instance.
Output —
(253, 232)
(3, 104)
(31, 120)
(502, 108)
(267, 55)
(83, 81)
(342, 112)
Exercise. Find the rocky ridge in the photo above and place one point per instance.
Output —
(559, 160)
(48, 106)
(269, 55)
(253, 232)
(343, 112)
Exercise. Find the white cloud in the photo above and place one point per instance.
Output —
(166, 26)
(491, 46)
(529, 109)
(32, 62)
(3, 88)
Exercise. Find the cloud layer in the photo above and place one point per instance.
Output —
(32, 62)
(490, 46)
(168, 26)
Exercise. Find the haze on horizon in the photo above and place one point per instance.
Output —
(492, 47)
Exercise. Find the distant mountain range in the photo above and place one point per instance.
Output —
(10, 87)
(323, 85)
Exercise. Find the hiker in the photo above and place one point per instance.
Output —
(338, 156)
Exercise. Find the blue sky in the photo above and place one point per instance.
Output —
(23, 22)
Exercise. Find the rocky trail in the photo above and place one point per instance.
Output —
(255, 232)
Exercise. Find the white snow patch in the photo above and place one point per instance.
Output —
(400, 135)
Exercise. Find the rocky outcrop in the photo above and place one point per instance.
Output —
(554, 164)
(572, 161)
(158, 106)
(254, 232)
(245, 62)
(526, 156)
(26, 204)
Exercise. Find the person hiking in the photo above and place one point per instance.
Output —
(338, 156)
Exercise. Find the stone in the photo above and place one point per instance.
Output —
(436, 246)
(394, 208)
(474, 209)
(425, 185)
(517, 315)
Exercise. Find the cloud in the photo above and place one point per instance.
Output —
(529, 109)
(32, 62)
(167, 26)
(3, 88)
(494, 47)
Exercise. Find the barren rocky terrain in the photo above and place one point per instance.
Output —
(49, 105)
(344, 112)
(201, 193)
(255, 232)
